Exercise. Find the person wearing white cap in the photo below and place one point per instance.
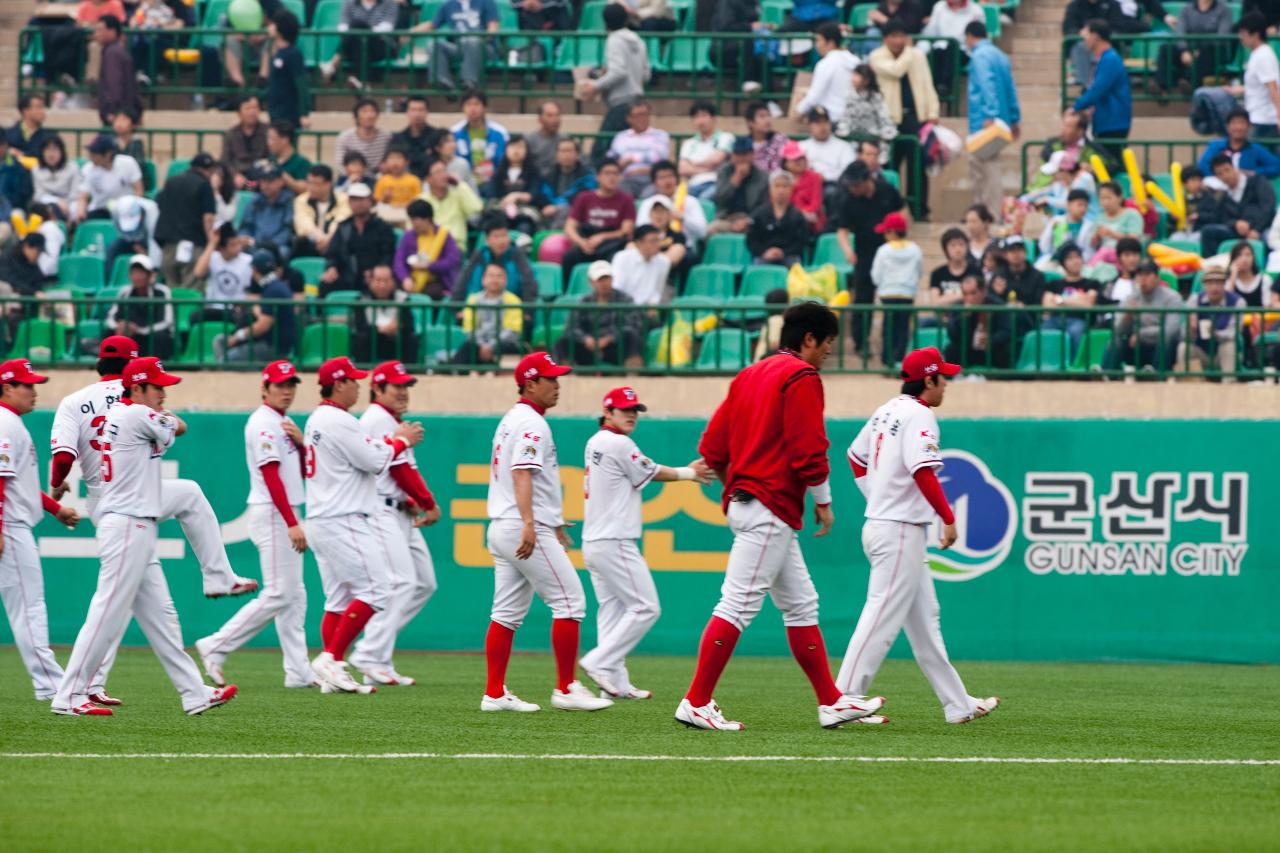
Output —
(361, 242)
(687, 215)
(601, 335)
(138, 315)
(135, 220)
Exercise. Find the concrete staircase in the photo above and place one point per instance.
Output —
(13, 16)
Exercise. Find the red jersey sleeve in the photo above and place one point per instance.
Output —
(714, 446)
(60, 467)
(804, 432)
(279, 496)
(410, 481)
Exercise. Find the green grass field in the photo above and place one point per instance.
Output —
(552, 780)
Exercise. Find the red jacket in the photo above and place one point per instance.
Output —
(768, 437)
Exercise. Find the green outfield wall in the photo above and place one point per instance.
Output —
(1079, 540)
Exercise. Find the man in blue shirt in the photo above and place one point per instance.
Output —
(1249, 157)
(992, 98)
(462, 16)
(1108, 97)
(268, 220)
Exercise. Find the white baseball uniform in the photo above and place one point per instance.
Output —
(615, 473)
(901, 438)
(413, 575)
(523, 442)
(342, 504)
(283, 598)
(130, 582)
(21, 576)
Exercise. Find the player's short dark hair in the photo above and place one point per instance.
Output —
(830, 32)
(1253, 23)
(111, 366)
(1127, 245)
(1100, 28)
(951, 235)
(475, 95)
(287, 26)
(977, 29)
(807, 318)
(913, 388)
(246, 98)
(326, 391)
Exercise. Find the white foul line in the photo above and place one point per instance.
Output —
(499, 756)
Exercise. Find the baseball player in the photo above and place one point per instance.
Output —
(342, 465)
(21, 504)
(895, 459)
(529, 544)
(273, 450)
(404, 503)
(767, 443)
(77, 434)
(137, 432)
(616, 471)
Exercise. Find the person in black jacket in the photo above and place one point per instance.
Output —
(384, 332)
(516, 188)
(979, 338)
(361, 242)
(1221, 217)
(778, 234)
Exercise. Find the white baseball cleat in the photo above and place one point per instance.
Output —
(602, 679)
(220, 696)
(387, 677)
(403, 680)
(239, 586)
(980, 709)
(870, 720)
(333, 673)
(848, 709)
(578, 698)
(709, 716)
(629, 693)
(211, 662)
(508, 701)
(88, 709)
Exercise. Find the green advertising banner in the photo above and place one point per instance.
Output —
(1079, 540)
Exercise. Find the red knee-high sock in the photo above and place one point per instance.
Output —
(350, 624)
(497, 652)
(564, 642)
(328, 625)
(811, 653)
(718, 640)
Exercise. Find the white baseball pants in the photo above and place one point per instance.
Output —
(900, 596)
(547, 572)
(628, 605)
(22, 588)
(282, 599)
(413, 580)
(130, 582)
(353, 560)
(765, 558)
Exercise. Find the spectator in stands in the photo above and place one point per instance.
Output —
(270, 330)
(317, 213)
(444, 146)
(1075, 226)
(1185, 64)
(427, 257)
(55, 180)
(1261, 87)
(365, 136)
(865, 204)
(453, 203)
(737, 57)
(675, 245)
(481, 142)
(980, 338)
(1245, 277)
(896, 272)
(563, 183)
(1071, 140)
(977, 226)
(187, 214)
(1108, 98)
(992, 98)
(288, 91)
(226, 198)
(945, 280)
(381, 332)
(268, 218)
(909, 13)
(492, 319)
(245, 143)
(355, 170)
(136, 315)
(107, 176)
(652, 15)
(515, 190)
(626, 70)
(135, 223)
(1078, 13)
(1242, 210)
(127, 140)
(1213, 335)
(1151, 340)
(600, 221)
(544, 141)
(498, 249)
(361, 241)
(117, 88)
(864, 112)
(1128, 257)
(703, 153)
(641, 270)
(1026, 283)
(603, 336)
(29, 135)
(470, 19)
(766, 142)
(395, 187)
(807, 192)
(554, 15)
(226, 269)
(741, 188)
(873, 153)
(832, 76)
(1073, 290)
(417, 136)
(638, 147)
(363, 52)
(779, 233)
(154, 17)
(1115, 220)
(687, 215)
(20, 272)
(1248, 157)
(828, 154)
(55, 239)
(282, 139)
(948, 20)
(907, 83)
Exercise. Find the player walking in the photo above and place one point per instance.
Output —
(21, 503)
(767, 443)
(529, 544)
(616, 471)
(343, 465)
(894, 460)
(273, 449)
(405, 503)
(136, 434)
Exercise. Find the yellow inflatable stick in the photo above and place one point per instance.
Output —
(1179, 194)
(1135, 179)
(1175, 210)
(1099, 169)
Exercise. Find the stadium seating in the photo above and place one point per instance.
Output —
(323, 341)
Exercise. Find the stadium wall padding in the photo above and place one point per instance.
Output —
(1079, 540)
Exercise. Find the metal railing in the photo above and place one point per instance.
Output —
(690, 335)
(1153, 63)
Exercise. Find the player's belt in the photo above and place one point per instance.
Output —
(741, 497)
(403, 506)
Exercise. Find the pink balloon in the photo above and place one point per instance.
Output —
(553, 248)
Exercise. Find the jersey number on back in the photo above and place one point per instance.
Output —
(311, 462)
(99, 424)
(106, 461)
(876, 459)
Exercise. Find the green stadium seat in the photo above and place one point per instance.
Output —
(440, 341)
(149, 177)
(993, 21)
(83, 271)
(1093, 347)
(119, 272)
(184, 310)
(310, 268)
(759, 280)
(930, 336)
(323, 341)
(688, 55)
(176, 167)
(298, 8)
(200, 338)
(579, 284)
(548, 327)
(550, 279)
(40, 340)
(1043, 349)
(858, 15)
(320, 48)
(84, 346)
(723, 349)
(93, 236)
(243, 198)
(827, 251)
(331, 309)
(209, 20)
(653, 345)
(892, 178)
(713, 280)
(730, 249)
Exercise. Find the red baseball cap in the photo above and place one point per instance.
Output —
(280, 371)
(893, 222)
(624, 398)
(118, 346)
(538, 364)
(339, 368)
(147, 371)
(393, 373)
(926, 362)
(19, 370)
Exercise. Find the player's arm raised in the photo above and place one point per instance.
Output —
(805, 434)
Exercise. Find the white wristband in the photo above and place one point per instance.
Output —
(821, 493)
(685, 473)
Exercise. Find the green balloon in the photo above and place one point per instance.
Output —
(245, 14)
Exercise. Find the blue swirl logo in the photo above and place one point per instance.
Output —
(986, 519)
